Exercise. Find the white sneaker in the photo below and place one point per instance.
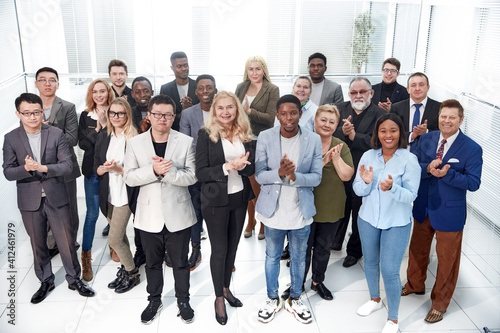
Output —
(390, 327)
(299, 310)
(267, 312)
(369, 307)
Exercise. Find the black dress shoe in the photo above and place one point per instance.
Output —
(185, 312)
(53, 252)
(285, 254)
(105, 231)
(220, 319)
(322, 291)
(235, 303)
(82, 289)
(349, 261)
(42, 292)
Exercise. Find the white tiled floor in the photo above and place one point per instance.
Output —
(475, 304)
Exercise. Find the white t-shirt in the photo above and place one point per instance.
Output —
(317, 90)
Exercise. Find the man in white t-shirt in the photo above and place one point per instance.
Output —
(288, 165)
(324, 91)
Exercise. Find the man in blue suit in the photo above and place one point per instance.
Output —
(451, 164)
(288, 165)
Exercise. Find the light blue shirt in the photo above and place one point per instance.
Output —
(392, 208)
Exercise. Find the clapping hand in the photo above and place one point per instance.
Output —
(32, 165)
(419, 130)
(386, 185)
(287, 168)
(160, 165)
(186, 102)
(432, 168)
(239, 162)
(366, 175)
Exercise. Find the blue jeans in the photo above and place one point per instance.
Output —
(274, 246)
(92, 201)
(383, 250)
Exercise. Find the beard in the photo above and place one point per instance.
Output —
(359, 105)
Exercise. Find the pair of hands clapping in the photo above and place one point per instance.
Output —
(238, 163)
(287, 168)
(32, 165)
(367, 176)
(109, 166)
(333, 154)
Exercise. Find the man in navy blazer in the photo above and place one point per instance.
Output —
(37, 157)
(288, 165)
(192, 120)
(451, 164)
(182, 89)
(389, 91)
(428, 109)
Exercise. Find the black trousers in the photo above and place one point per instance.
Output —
(137, 241)
(352, 206)
(318, 247)
(58, 219)
(224, 225)
(177, 245)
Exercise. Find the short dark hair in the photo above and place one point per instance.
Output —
(453, 103)
(376, 144)
(316, 55)
(46, 69)
(392, 61)
(177, 55)
(28, 98)
(117, 63)
(205, 77)
(139, 79)
(161, 99)
(417, 74)
(288, 99)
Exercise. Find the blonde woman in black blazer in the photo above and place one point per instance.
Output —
(258, 96)
(225, 156)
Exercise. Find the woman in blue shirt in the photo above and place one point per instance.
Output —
(388, 180)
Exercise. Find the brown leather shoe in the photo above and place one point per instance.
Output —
(434, 316)
(87, 273)
(406, 292)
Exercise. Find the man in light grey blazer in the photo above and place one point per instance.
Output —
(161, 162)
(61, 114)
(192, 120)
(324, 91)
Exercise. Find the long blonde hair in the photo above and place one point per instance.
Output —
(261, 62)
(89, 100)
(241, 124)
(129, 129)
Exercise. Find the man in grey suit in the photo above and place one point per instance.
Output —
(61, 114)
(419, 112)
(192, 120)
(37, 157)
(182, 89)
(161, 162)
(324, 91)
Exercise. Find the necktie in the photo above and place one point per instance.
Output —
(440, 151)
(416, 116)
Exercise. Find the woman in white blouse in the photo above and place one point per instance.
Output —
(113, 198)
(225, 157)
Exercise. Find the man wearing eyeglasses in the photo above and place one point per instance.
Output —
(37, 157)
(358, 119)
(162, 162)
(61, 114)
(419, 113)
(389, 91)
